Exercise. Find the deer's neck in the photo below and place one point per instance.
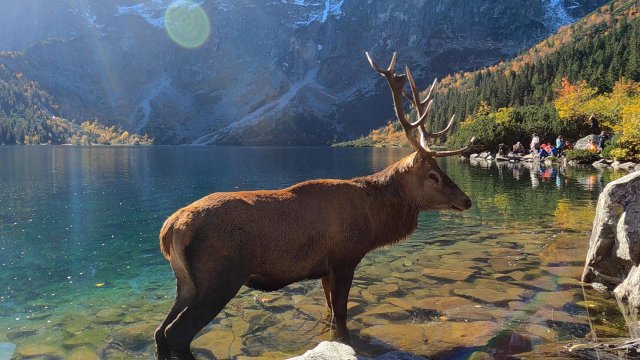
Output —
(393, 212)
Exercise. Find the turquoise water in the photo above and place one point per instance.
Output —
(82, 275)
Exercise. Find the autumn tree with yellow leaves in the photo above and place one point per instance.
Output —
(618, 111)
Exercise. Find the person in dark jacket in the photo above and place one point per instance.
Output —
(603, 138)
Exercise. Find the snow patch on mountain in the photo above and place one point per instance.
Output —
(556, 15)
(153, 11)
(302, 12)
(315, 11)
(82, 9)
(144, 11)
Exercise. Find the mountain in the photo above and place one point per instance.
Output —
(270, 72)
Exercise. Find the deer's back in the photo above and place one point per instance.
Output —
(297, 230)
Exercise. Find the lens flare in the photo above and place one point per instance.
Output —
(187, 24)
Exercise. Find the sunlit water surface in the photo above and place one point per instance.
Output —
(81, 274)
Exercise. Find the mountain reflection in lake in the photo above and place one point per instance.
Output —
(82, 274)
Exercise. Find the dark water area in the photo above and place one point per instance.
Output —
(81, 274)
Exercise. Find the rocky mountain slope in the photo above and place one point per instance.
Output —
(271, 72)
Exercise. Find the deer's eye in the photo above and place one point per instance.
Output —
(435, 178)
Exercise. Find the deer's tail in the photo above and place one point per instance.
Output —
(166, 236)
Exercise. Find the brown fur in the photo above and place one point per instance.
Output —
(271, 238)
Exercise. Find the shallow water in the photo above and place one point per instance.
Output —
(82, 275)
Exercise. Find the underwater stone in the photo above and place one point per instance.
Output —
(432, 338)
(449, 274)
(487, 295)
(39, 350)
(84, 354)
(88, 337)
(542, 332)
(381, 290)
(506, 265)
(223, 344)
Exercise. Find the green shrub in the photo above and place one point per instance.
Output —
(490, 130)
(582, 156)
(606, 152)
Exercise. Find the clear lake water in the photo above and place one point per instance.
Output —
(82, 276)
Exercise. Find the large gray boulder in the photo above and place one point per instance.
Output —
(613, 260)
(583, 143)
(330, 350)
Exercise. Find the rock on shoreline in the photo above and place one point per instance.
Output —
(613, 260)
(330, 350)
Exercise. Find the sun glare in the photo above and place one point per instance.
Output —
(187, 24)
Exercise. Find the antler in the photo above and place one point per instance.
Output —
(397, 83)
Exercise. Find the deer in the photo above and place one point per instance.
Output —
(316, 229)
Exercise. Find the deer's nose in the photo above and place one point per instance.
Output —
(467, 203)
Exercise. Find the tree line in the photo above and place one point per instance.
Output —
(27, 117)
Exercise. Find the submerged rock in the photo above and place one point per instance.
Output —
(40, 350)
(83, 354)
(487, 295)
(448, 274)
(223, 344)
(542, 332)
(432, 338)
(506, 265)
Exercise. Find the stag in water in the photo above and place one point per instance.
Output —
(318, 229)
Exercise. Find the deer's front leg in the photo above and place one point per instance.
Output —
(326, 285)
(340, 279)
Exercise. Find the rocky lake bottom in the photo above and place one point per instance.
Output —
(83, 277)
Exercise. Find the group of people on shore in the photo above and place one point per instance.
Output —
(543, 150)
(548, 149)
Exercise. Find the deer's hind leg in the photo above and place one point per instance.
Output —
(196, 316)
(216, 282)
(185, 294)
(182, 299)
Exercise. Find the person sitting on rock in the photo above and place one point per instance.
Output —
(568, 145)
(518, 149)
(542, 151)
(503, 149)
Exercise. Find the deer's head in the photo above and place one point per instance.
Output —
(427, 183)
